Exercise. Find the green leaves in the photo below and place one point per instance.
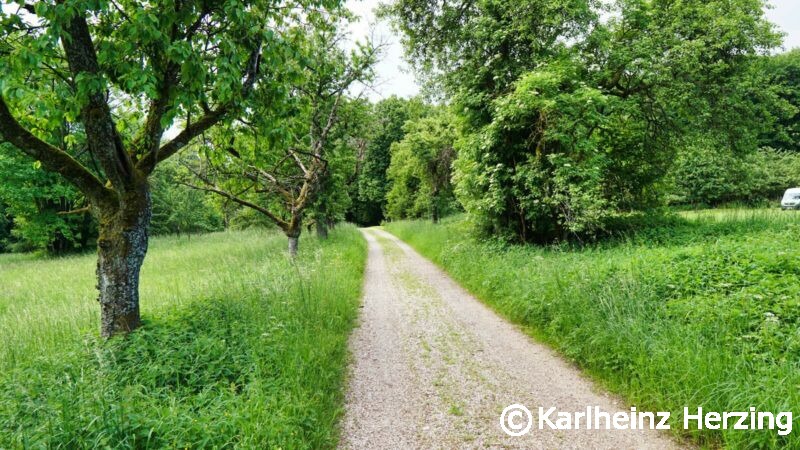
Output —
(33, 198)
(570, 119)
(783, 75)
(420, 168)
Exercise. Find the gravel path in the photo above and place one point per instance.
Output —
(434, 368)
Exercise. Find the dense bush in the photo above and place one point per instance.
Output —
(35, 205)
(559, 159)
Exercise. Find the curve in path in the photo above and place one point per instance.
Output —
(434, 368)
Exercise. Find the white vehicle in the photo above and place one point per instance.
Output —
(791, 199)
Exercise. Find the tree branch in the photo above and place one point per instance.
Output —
(299, 162)
(149, 138)
(83, 210)
(209, 119)
(210, 187)
(52, 158)
(103, 139)
(149, 161)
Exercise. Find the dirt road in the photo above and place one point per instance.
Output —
(434, 368)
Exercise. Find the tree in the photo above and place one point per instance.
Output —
(476, 50)
(783, 73)
(420, 168)
(359, 131)
(5, 227)
(389, 116)
(283, 173)
(347, 150)
(588, 121)
(76, 64)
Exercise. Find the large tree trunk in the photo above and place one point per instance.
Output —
(121, 249)
(322, 229)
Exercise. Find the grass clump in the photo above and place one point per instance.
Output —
(240, 348)
(700, 309)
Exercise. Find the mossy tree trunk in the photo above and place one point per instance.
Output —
(121, 248)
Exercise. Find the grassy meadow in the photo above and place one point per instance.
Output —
(240, 347)
(694, 309)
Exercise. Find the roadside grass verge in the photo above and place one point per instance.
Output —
(696, 310)
(240, 347)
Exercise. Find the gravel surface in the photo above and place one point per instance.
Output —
(434, 368)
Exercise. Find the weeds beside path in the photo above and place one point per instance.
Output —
(236, 351)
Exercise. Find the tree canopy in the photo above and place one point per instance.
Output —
(782, 71)
(420, 169)
(570, 118)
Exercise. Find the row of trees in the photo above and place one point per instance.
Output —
(97, 95)
(39, 211)
(42, 211)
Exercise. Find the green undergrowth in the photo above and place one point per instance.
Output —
(240, 347)
(698, 309)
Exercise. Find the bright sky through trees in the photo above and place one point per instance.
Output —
(395, 78)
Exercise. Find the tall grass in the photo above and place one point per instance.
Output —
(696, 311)
(240, 347)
